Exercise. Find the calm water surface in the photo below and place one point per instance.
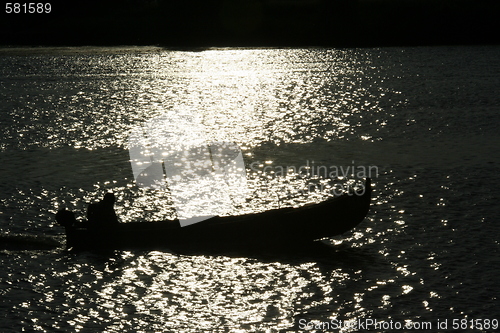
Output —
(428, 251)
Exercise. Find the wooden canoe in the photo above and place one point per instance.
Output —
(273, 228)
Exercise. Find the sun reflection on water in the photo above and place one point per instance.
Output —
(250, 96)
(281, 110)
(202, 293)
(158, 291)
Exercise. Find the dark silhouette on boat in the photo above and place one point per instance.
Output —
(277, 228)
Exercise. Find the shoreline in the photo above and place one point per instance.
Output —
(140, 49)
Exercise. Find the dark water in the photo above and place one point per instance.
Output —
(427, 253)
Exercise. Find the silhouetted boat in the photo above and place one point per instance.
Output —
(270, 229)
